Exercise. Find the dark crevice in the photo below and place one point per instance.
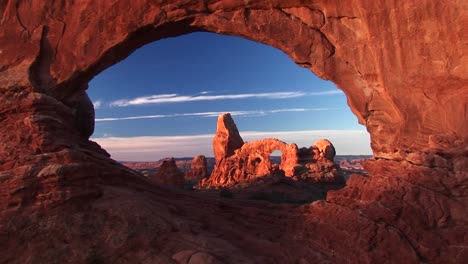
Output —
(424, 93)
(246, 14)
(342, 17)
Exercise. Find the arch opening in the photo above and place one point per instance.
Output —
(142, 93)
(160, 101)
(275, 158)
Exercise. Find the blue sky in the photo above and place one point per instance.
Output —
(172, 90)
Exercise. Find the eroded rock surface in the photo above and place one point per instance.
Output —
(401, 64)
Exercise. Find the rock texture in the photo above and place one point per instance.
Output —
(401, 64)
(198, 168)
(169, 175)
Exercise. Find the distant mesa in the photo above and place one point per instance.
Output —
(239, 163)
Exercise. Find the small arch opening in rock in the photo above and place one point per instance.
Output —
(275, 158)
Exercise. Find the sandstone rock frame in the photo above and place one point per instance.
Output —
(402, 65)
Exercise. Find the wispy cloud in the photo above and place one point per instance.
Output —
(204, 96)
(97, 104)
(147, 148)
(330, 92)
(214, 114)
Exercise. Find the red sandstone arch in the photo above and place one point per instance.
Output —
(250, 161)
(342, 46)
(263, 149)
(402, 65)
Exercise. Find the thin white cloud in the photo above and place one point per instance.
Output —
(97, 104)
(129, 118)
(331, 92)
(176, 98)
(214, 114)
(151, 148)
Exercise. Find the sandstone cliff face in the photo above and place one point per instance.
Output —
(401, 64)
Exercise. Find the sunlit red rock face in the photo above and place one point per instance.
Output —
(402, 65)
(251, 160)
(227, 138)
